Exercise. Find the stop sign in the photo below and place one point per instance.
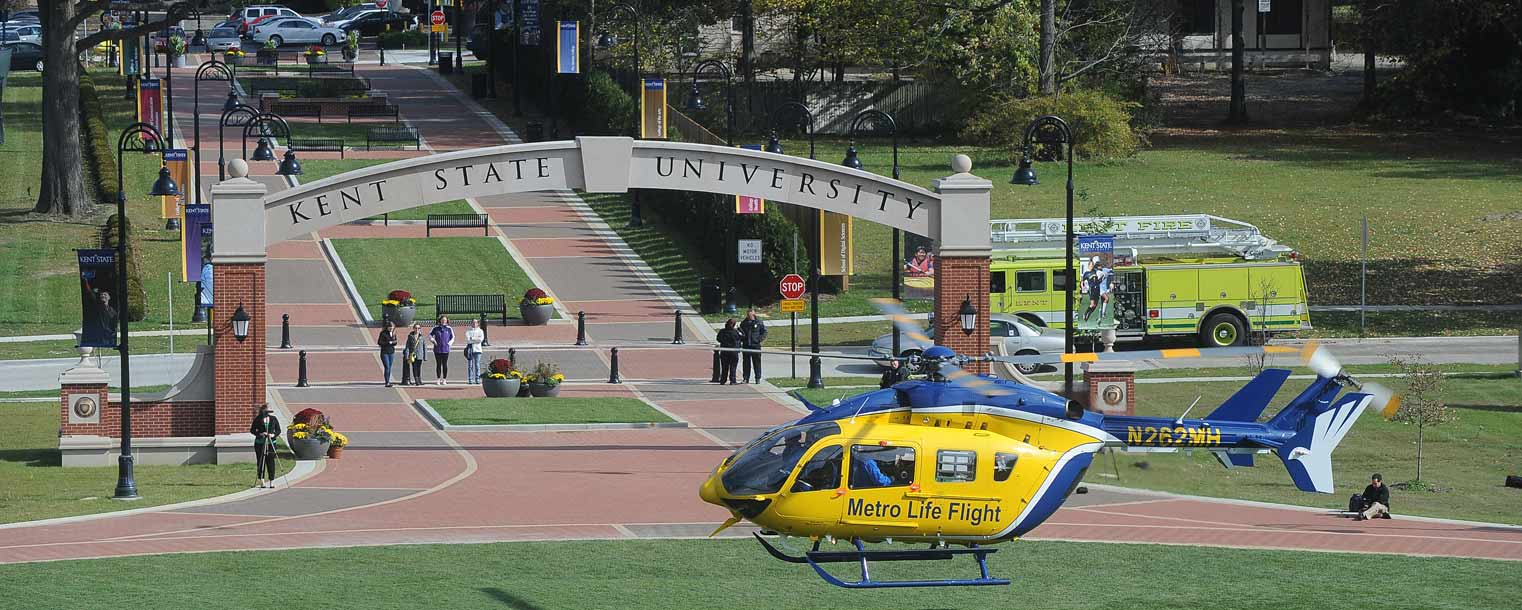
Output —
(792, 286)
(438, 17)
(380, 3)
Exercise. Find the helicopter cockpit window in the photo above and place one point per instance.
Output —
(955, 466)
(881, 466)
(1004, 465)
(821, 471)
(766, 465)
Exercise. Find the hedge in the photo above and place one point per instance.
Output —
(1101, 123)
(99, 152)
(137, 298)
(406, 38)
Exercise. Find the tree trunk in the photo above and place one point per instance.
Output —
(1237, 113)
(62, 192)
(1046, 63)
(1367, 21)
(1418, 453)
(748, 54)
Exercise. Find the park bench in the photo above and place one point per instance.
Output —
(317, 145)
(297, 109)
(374, 110)
(400, 134)
(456, 221)
(494, 304)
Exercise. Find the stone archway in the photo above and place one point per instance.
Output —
(246, 221)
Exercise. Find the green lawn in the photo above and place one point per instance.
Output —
(1471, 456)
(66, 349)
(54, 393)
(503, 411)
(34, 486)
(317, 169)
(430, 267)
(737, 575)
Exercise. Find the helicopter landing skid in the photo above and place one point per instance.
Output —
(863, 557)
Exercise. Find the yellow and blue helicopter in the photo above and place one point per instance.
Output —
(960, 461)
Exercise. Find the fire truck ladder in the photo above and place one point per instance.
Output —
(1188, 234)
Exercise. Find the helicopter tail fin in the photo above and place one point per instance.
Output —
(1248, 403)
(1308, 455)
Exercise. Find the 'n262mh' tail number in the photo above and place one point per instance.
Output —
(1173, 436)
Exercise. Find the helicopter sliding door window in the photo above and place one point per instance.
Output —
(955, 466)
(1004, 465)
(821, 472)
(874, 466)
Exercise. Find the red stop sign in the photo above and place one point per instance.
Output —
(438, 17)
(792, 286)
(380, 3)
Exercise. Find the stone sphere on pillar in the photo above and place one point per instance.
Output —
(237, 168)
(961, 164)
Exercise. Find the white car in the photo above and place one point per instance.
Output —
(299, 31)
(1020, 338)
(223, 39)
(24, 32)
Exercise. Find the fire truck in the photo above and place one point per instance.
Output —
(1220, 280)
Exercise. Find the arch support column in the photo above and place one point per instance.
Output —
(238, 257)
(961, 261)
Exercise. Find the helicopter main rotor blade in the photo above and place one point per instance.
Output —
(1151, 354)
(902, 320)
(959, 376)
(739, 350)
(1323, 363)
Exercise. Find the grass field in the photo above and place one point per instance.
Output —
(66, 349)
(430, 267)
(34, 486)
(1470, 457)
(503, 411)
(317, 169)
(737, 575)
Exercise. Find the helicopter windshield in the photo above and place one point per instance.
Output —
(766, 465)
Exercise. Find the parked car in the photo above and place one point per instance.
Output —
(253, 15)
(348, 12)
(372, 23)
(162, 37)
(21, 16)
(1020, 338)
(222, 39)
(297, 31)
(25, 55)
(24, 31)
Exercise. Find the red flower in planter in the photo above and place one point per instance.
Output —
(500, 365)
(310, 417)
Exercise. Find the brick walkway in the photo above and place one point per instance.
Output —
(403, 482)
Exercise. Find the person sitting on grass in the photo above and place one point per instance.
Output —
(1374, 502)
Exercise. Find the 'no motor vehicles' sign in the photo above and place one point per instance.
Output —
(791, 286)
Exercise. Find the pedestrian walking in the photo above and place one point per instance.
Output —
(752, 335)
(442, 336)
(266, 429)
(414, 352)
(387, 343)
(473, 340)
(729, 337)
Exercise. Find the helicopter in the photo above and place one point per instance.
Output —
(961, 461)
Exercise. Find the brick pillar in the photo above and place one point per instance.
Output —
(958, 278)
(1111, 387)
(92, 417)
(240, 365)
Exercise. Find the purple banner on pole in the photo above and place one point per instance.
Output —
(195, 246)
(100, 307)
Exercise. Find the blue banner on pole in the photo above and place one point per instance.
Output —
(100, 306)
(1096, 281)
(567, 34)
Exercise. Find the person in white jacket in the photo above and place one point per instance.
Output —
(473, 340)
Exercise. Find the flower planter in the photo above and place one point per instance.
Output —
(313, 60)
(350, 54)
(543, 390)
(268, 57)
(335, 452)
(400, 315)
(500, 388)
(536, 315)
(233, 60)
(306, 448)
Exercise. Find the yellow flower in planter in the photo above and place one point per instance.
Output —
(557, 378)
(515, 374)
(391, 302)
(496, 376)
(544, 301)
(298, 435)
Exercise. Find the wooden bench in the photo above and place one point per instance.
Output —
(317, 145)
(374, 110)
(295, 109)
(457, 221)
(494, 304)
(399, 134)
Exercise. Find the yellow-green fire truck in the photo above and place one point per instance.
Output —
(1213, 278)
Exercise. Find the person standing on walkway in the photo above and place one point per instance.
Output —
(729, 337)
(473, 340)
(442, 336)
(752, 335)
(266, 429)
(387, 343)
(413, 355)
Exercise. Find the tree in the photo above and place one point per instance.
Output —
(1237, 112)
(1421, 405)
(1046, 64)
(62, 191)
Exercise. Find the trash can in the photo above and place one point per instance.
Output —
(446, 62)
(533, 131)
(479, 86)
(732, 300)
(710, 292)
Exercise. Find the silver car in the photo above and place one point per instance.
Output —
(1020, 338)
(299, 30)
(223, 39)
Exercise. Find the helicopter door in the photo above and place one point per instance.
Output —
(879, 477)
(812, 497)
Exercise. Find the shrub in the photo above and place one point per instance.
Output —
(137, 298)
(1101, 124)
(601, 108)
(547, 373)
(398, 40)
(98, 150)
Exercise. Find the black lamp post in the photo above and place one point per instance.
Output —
(138, 137)
(853, 161)
(212, 70)
(262, 122)
(517, 39)
(606, 40)
(773, 145)
(237, 116)
(1051, 130)
(289, 166)
(695, 102)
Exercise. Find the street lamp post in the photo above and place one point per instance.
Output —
(517, 38)
(212, 70)
(773, 145)
(138, 137)
(606, 40)
(264, 150)
(878, 116)
(1051, 130)
(236, 116)
(695, 103)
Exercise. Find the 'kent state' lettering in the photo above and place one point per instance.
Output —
(346, 198)
(441, 176)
